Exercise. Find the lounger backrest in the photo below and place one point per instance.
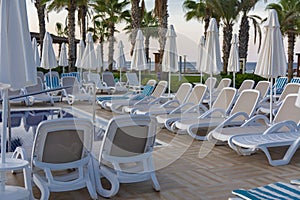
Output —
(54, 78)
(95, 78)
(151, 82)
(35, 88)
(71, 81)
(295, 80)
(62, 140)
(41, 75)
(225, 82)
(246, 102)
(183, 92)
(263, 87)
(160, 89)
(225, 99)
(197, 94)
(108, 78)
(290, 88)
(288, 110)
(211, 82)
(132, 79)
(247, 84)
(280, 83)
(85, 76)
(128, 136)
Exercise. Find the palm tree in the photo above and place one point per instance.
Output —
(245, 7)
(148, 26)
(83, 6)
(70, 5)
(228, 11)
(113, 12)
(40, 7)
(136, 18)
(161, 12)
(100, 32)
(62, 32)
(199, 11)
(289, 18)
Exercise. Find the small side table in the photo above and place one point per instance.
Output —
(16, 192)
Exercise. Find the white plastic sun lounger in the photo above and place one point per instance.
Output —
(258, 123)
(193, 102)
(222, 105)
(243, 109)
(274, 136)
(156, 108)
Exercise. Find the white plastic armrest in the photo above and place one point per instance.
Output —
(291, 125)
(254, 120)
(168, 103)
(145, 100)
(180, 108)
(212, 111)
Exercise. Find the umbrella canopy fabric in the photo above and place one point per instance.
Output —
(121, 61)
(17, 70)
(80, 51)
(48, 60)
(63, 58)
(234, 61)
(99, 58)
(212, 61)
(201, 55)
(36, 54)
(89, 60)
(16, 54)
(272, 60)
(170, 57)
(139, 57)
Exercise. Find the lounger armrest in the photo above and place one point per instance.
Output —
(145, 100)
(291, 125)
(197, 108)
(254, 120)
(213, 111)
(180, 108)
(157, 100)
(265, 99)
(168, 103)
(235, 116)
(62, 166)
(137, 96)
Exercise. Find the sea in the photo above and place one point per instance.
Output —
(190, 67)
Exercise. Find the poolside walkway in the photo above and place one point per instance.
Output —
(182, 174)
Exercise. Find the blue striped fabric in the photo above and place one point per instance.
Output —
(275, 191)
(145, 92)
(55, 82)
(75, 74)
(280, 84)
(295, 80)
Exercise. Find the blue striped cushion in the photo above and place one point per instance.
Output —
(147, 90)
(295, 80)
(55, 82)
(280, 84)
(274, 191)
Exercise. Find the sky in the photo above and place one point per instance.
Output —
(188, 32)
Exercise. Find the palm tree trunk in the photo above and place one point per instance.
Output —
(41, 16)
(136, 21)
(227, 32)
(291, 46)
(83, 22)
(71, 33)
(102, 54)
(161, 11)
(147, 42)
(111, 46)
(244, 37)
